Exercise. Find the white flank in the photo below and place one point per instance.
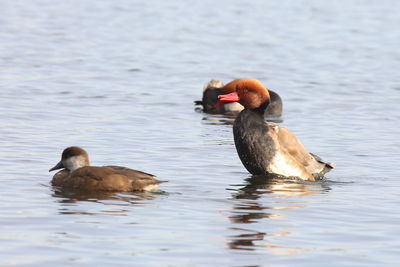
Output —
(281, 165)
(151, 188)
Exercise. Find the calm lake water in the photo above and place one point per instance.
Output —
(119, 78)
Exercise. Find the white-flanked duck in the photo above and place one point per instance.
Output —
(214, 88)
(78, 175)
(265, 147)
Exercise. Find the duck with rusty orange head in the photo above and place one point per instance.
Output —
(212, 104)
(265, 147)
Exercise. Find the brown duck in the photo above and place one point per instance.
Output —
(78, 175)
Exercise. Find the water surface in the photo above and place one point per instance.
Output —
(119, 79)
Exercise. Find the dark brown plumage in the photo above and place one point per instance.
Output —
(78, 175)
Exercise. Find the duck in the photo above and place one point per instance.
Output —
(214, 88)
(266, 147)
(77, 174)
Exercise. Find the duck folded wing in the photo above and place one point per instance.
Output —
(291, 145)
(138, 180)
(130, 172)
(109, 178)
(96, 179)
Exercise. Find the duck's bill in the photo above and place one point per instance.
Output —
(59, 165)
(229, 97)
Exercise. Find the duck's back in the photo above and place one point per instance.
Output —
(138, 180)
(275, 106)
(108, 178)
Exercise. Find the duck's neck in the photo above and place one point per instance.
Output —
(261, 109)
(253, 144)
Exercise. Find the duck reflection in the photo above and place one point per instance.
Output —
(229, 118)
(219, 119)
(264, 197)
(279, 187)
(246, 240)
(73, 202)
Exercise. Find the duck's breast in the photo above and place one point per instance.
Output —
(60, 177)
(254, 145)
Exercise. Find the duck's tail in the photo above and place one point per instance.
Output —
(327, 166)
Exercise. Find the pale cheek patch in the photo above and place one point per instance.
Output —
(75, 162)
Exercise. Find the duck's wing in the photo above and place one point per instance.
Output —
(130, 172)
(110, 178)
(91, 173)
(88, 179)
(139, 180)
(289, 142)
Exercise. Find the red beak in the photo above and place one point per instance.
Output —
(232, 97)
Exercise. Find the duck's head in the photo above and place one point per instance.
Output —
(251, 93)
(72, 158)
(211, 91)
(223, 90)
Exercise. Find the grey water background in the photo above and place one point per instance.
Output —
(119, 79)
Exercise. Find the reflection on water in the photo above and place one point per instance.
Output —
(278, 186)
(120, 77)
(245, 241)
(248, 241)
(219, 119)
(229, 118)
(114, 202)
(248, 210)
